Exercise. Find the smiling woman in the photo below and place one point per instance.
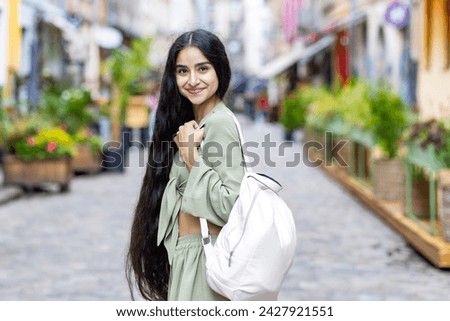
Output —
(197, 80)
(166, 254)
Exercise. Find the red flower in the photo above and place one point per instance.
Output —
(31, 141)
(51, 147)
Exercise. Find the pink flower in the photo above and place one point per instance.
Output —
(51, 147)
(31, 141)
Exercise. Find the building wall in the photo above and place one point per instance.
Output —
(153, 17)
(222, 19)
(3, 41)
(385, 46)
(27, 21)
(358, 54)
(181, 16)
(11, 58)
(278, 45)
(88, 9)
(254, 35)
(82, 47)
(434, 73)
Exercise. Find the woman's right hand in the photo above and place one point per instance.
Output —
(188, 139)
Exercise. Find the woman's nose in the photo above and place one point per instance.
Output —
(193, 79)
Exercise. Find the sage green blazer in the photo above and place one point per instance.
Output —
(212, 187)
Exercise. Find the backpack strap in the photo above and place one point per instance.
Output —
(242, 143)
(206, 236)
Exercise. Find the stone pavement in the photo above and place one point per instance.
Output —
(8, 193)
(72, 246)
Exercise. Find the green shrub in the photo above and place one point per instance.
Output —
(70, 107)
(322, 108)
(129, 70)
(388, 119)
(353, 104)
(293, 115)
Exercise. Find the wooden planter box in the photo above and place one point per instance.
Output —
(443, 199)
(314, 152)
(334, 156)
(360, 162)
(29, 174)
(85, 161)
(389, 179)
(421, 199)
(137, 112)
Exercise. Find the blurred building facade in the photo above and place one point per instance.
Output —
(405, 42)
(434, 66)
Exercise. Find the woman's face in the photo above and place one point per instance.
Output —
(196, 78)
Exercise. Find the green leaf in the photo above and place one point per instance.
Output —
(424, 157)
(362, 137)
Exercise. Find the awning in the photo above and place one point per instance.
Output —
(297, 54)
(52, 14)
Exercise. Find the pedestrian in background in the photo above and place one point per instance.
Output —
(183, 182)
(263, 106)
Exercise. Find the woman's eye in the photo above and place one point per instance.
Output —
(181, 71)
(203, 68)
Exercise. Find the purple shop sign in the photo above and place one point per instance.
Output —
(397, 14)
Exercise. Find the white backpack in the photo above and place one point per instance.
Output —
(255, 249)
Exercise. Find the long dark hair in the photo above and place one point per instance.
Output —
(145, 260)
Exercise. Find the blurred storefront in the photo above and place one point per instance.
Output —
(434, 65)
(53, 47)
(319, 41)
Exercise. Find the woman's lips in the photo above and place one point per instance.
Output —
(195, 91)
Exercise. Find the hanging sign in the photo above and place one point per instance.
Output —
(397, 14)
(107, 37)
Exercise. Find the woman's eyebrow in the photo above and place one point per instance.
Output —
(196, 65)
(203, 63)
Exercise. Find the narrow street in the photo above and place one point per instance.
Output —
(72, 246)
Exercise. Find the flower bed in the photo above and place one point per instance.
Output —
(38, 157)
(33, 173)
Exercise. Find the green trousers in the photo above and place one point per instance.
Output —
(188, 273)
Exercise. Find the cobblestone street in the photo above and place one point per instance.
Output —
(72, 246)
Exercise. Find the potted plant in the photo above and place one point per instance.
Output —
(39, 155)
(324, 120)
(293, 115)
(429, 146)
(137, 109)
(443, 189)
(424, 141)
(354, 106)
(71, 107)
(388, 121)
(88, 156)
(128, 70)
